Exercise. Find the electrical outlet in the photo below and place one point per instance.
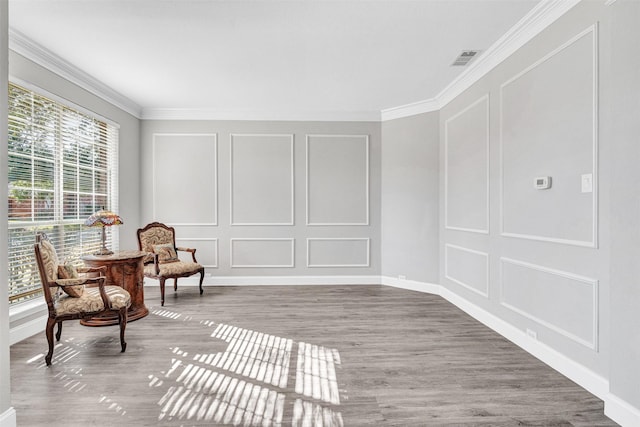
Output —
(402, 277)
(532, 334)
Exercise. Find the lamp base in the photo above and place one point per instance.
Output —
(103, 250)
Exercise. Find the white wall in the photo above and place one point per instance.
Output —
(410, 186)
(537, 259)
(267, 198)
(7, 414)
(621, 113)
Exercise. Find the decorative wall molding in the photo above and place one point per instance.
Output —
(533, 23)
(214, 221)
(337, 239)
(22, 45)
(202, 239)
(485, 230)
(243, 239)
(593, 283)
(293, 115)
(593, 243)
(292, 181)
(367, 179)
(484, 293)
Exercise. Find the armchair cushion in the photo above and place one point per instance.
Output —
(49, 262)
(69, 272)
(153, 236)
(172, 269)
(166, 253)
(91, 302)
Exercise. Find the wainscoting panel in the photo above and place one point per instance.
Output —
(206, 250)
(180, 162)
(466, 165)
(548, 115)
(262, 179)
(564, 302)
(262, 253)
(337, 179)
(468, 268)
(338, 252)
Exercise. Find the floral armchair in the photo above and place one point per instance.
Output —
(76, 293)
(163, 263)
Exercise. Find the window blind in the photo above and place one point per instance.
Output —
(62, 167)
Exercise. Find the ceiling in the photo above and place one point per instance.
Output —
(267, 57)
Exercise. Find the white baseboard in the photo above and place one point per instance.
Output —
(8, 418)
(27, 329)
(621, 412)
(271, 280)
(411, 285)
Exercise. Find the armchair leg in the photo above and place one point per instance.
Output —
(162, 291)
(59, 333)
(122, 319)
(175, 284)
(201, 279)
(49, 332)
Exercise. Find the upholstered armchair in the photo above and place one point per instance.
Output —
(76, 293)
(163, 263)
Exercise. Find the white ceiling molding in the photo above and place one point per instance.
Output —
(208, 114)
(533, 23)
(540, 17)
(22, 45)
(410, 109)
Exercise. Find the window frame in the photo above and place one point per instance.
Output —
(86, 240)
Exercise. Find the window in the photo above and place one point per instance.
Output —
(62, 167)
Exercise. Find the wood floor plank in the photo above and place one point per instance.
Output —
(293, 355)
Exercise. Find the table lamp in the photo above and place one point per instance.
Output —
(103, 218)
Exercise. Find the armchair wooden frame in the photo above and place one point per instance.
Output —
(94, 276)
(165, 234)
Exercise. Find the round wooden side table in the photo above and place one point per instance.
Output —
(124, 269)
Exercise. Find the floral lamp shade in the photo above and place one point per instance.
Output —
(103, 218)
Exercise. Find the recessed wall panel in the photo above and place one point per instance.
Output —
(337, 179)
(185, 179)
(262, 253)
(468, 268)
(206, 250)
(467, 168)
(549, 129)
(338, 252)
(262, 180)
(562, 301)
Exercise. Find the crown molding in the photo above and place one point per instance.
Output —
(540, 17)
(210, 114)
(533, 23)
(419, 107)
(22, 45)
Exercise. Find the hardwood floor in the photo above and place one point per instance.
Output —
(293, 355)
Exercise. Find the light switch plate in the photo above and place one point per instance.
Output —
(587, 183)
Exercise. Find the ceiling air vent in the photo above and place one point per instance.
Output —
(465, 57)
